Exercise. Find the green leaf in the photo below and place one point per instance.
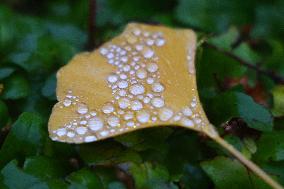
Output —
(15, 87)
(271, 147)
(6, 72)
(194, 178)
(45, 167)
(225, 40)
(227, 173)
(84, 179)
(244, 52)
(278, 101)
(269, 20)
(214, 67)
(15, 178)
(26, 180)
(152, 138)
(214, 16)
(116, 185)
(26, 138)
(148, 176)
(235, 104)
(182, 148)
(107, 152)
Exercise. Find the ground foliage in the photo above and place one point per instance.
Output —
(244, 102)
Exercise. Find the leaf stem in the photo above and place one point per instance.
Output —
(249, 164)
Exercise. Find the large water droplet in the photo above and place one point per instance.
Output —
(165, 114)
(148, 53)
(67, 102)
(141, 74)
(90, 138)
(112, 78)
(187, 122)
(137, 89)
(123, 103)
(136, 105)
(143, 116)
(95, 123)
(113, 121)
(61, 132)
(108, 108)
(157, 87)
(82, 109)
(158, 102)
(81, 130)
(122, 84)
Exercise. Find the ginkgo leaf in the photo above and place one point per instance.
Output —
(143, 78)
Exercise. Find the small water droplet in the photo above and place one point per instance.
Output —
(187, 111)
(141, 73)
(139, 47)
(123, 103)
(113, 121)
(81, 130)
(160, 42)
(136, 32)
(104, 133)
(84, 122)
(90, 138)
(82, 109)
(152, 67)
(130, 124)
(67, 102)
(128, 116)
(103, 51)
(70, 134)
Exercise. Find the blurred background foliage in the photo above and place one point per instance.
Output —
(240, 70)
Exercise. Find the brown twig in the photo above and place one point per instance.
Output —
(271, 74)
(92, 25)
